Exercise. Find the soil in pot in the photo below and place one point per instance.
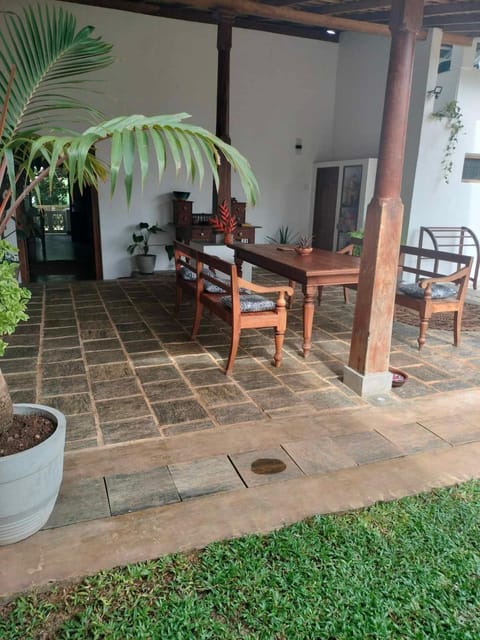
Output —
(26, 432)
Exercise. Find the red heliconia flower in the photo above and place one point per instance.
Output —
(224, 221)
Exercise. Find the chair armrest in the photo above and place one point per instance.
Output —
(348, 250)
(461, 274)
(260, 289)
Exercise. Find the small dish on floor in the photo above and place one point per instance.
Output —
(399, 377)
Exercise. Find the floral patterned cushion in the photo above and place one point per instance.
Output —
(191, 276)
(439, 290)
(250, 302)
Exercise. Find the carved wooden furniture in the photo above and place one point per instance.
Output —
(217, 287)
(435, 292)
(320, 268)
(195, 226)
(237, 309)
(432, 292)
(452, 238)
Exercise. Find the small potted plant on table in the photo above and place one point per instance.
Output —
(145, 260)
(304, 246)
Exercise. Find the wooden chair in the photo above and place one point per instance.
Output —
(185, 258)
(222, 292)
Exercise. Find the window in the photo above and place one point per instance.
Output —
(471, 168)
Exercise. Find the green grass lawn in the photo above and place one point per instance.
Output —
(406, 569)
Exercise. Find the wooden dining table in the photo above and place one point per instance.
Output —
(319, 269)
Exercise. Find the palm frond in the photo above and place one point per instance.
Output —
(188, 146)
(47, 52)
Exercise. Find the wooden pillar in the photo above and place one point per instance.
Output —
(224, 45)
(367, 370)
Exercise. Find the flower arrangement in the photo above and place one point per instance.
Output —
(224, 222)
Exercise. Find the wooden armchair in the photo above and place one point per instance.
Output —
(236, 302)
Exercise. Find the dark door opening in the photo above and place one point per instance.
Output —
(66, 244)
(326, 189)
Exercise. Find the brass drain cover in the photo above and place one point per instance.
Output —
(264, 466)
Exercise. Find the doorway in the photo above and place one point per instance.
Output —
(325, 207)
(63, 242)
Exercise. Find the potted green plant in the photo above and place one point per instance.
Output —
(140, 243)
(58, 54)
(30, 476)
(284, 236)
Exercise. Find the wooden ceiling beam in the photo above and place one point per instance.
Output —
(245, 8)
(249, 7)
(433, 21)
(446, 9)
(351, 7)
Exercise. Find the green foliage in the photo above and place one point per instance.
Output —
(45, 53)
(304, 242)
(405, 570)
(357, 251)
(13, 297)
(284, 236)
(169, 248)
(452, 113)
(141, 240)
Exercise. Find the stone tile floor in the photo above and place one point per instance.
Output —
(111, 356)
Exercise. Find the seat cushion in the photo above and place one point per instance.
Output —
(250, 302)
(191, 276)
(439, 290)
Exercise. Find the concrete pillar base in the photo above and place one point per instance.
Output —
(368, 384)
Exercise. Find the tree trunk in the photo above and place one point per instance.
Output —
(6, 408)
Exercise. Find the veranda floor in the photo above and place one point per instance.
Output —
(160, 444)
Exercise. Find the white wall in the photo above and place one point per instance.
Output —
(282, 88)
(434, 202)
(360, 93)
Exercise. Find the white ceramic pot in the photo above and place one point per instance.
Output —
(30, 480)
(146, 263)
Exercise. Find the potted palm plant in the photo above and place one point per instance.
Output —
(45, 56)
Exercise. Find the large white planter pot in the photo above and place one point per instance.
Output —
(30, 480)
(146, 263)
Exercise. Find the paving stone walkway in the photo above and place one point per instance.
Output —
(251, 452)
(111, 356)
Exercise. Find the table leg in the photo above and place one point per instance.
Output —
(238, 264)
(308, 309)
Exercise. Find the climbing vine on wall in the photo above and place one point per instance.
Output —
(454, 123)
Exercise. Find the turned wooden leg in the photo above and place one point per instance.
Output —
(291, 283)
(197, 318)
(345, 295)
(457, 327)
(279, 337)
(178, 301)
(423, 331)
(238, 264)
(308, 310)
(233, 351)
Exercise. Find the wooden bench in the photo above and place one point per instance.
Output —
(431, 292)
(185, 272)
(216, 286)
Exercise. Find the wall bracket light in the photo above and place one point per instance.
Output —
(435, 92)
